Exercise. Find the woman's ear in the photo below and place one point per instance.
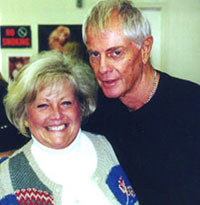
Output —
(146, 49)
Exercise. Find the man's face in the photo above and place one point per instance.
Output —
(116, 61)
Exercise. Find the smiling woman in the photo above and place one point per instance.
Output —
(47, 101)
(50, 70)
(54, 117)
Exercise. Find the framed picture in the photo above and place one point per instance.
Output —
(65, 38)
(15, 63)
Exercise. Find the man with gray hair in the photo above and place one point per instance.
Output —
(151, 119)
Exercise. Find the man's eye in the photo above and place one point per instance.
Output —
(94, 54)
(116, 53)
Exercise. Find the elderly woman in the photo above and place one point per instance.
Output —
(61, 164)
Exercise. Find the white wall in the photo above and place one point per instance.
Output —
(33, 13)
(181, 53)
(179, 49)
(154, 15)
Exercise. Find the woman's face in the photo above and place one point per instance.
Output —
(54, 117)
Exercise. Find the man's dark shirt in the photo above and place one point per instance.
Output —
(158, 145)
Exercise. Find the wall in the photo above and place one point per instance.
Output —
(181, 53)
(179, 34)
(33, 13)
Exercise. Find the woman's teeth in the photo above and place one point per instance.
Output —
(57, 128)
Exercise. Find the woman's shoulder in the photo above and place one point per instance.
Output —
(102, 146)
(96, 138)
(14, 156)
(4, 175)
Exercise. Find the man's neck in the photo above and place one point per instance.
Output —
(143, 93)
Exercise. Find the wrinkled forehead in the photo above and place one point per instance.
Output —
(103, 23)
(113, 27)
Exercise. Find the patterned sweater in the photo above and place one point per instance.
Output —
(23, 182)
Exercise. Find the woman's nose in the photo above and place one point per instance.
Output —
(56, 113)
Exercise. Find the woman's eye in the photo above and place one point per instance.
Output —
(42, 106)
(66, 103)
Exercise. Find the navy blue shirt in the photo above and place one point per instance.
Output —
(158, 145)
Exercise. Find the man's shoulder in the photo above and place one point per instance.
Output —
(178, 97)
(180, 83)
(182, 89)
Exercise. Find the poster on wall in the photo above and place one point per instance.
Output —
(65, 38)
(15, 37)
(15, 63)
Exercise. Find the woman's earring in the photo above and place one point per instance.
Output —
(26, 123)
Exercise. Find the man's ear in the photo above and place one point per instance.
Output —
(146, 49)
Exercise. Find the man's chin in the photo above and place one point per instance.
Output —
(111, 94)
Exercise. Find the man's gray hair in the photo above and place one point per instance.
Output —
(135, 26)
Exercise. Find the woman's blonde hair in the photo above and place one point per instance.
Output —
(48, 69)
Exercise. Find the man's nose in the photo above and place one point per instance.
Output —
(103, 66)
